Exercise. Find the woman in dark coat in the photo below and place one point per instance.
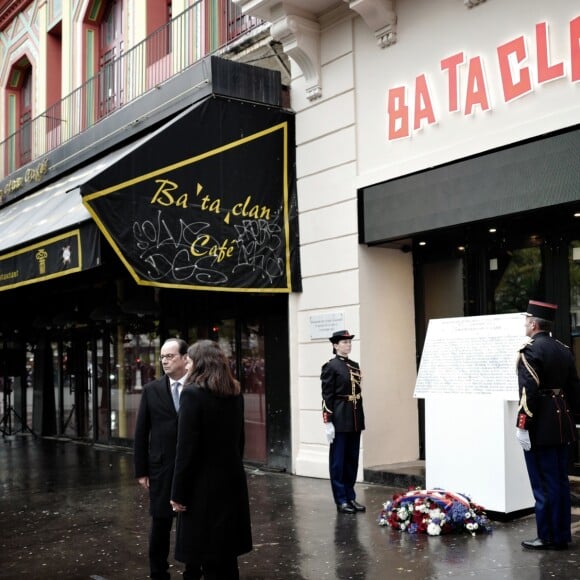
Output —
(210, 491)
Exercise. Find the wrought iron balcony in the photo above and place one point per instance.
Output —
(167, 52)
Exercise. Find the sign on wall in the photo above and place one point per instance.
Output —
(522, 64)
(209, 202)
(323, 325)
(53, 257)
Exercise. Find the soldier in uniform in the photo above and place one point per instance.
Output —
(549, 392)
(343, 415)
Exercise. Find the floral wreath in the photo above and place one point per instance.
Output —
(434, 512)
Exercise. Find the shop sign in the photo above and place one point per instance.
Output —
(57, 256)
(32, 174)
(208, 203)
(411, 108)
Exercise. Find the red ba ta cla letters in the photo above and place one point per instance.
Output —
(517, 79)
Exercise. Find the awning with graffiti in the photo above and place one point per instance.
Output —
(207, 202)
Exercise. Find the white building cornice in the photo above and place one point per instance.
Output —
(380, 16)
(296, 25)
(300, 38)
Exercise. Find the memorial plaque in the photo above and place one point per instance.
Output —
(323, 325)
(473, 355)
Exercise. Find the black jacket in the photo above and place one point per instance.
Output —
(155, 442)
(546, 365)
(341, 394)
(210, 478)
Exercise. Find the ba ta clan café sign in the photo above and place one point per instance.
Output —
(220, 217)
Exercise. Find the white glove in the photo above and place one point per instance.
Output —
(329, 432)
(523, 437)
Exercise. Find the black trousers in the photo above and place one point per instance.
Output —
(159, 541)
(226, 568)
(548, 472)
(343, 463)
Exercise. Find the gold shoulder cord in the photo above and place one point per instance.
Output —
(355, 379)
(530, 369)
(524, 399)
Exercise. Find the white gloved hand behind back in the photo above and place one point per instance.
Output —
(329, 427)
(523, 437)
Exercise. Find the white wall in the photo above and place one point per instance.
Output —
(343, 145)
(387, 321)
(325, 160)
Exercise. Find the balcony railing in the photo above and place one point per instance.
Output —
(171, 49)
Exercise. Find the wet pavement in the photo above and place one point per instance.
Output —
(74, 511)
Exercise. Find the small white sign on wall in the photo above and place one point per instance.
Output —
(323, 325)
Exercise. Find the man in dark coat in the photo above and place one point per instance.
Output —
(549, 392)
(343, 415)
(154, 450)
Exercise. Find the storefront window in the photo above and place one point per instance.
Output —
(252, 377)
(516, 277)
(138, 364)
(76, 393)
(246, 355)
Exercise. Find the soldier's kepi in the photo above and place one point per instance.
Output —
(343, 415)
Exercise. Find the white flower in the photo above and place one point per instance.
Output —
(433, 529)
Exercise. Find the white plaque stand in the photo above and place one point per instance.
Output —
(468, 379)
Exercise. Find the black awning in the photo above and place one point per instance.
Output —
(49, 233)
(529, 176)
(207, 201)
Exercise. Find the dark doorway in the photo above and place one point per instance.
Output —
(495, 268)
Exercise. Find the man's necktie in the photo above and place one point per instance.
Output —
(175, 395)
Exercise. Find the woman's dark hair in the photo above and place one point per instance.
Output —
(210, 369)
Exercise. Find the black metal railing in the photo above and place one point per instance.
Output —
(171, 49)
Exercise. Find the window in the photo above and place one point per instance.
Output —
(111, 48)
(19, 115)
(25, 106)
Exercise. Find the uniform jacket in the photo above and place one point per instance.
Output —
(209, 477)
(545, 364)
(154, 445)
(341, 394)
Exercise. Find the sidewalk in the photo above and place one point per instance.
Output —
(73, 511)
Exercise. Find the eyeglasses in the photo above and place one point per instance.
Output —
(167, 356)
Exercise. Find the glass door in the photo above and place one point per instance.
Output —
(243, 343)
(76, 389)
(574, 273)
(252, 378)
